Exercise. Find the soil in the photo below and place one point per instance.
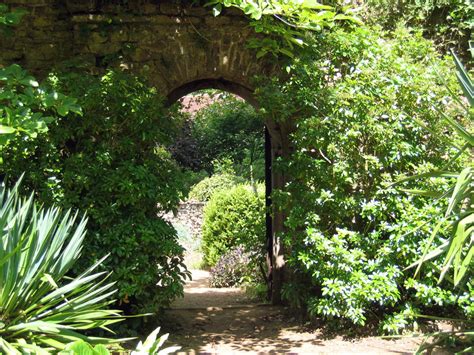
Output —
(226, 321)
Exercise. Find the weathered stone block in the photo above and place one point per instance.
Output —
(119, 34)
(41, 22)
(197, 11)
(104, 48)
(75, 6)
(148, 9)
(44, 52)
(217, 21)
(170, 9)
(140, 55)
(30, 3)
(166, 20)
(10, 55)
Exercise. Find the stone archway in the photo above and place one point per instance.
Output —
(180, 48)
(220, 84)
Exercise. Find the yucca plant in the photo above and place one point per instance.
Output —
(41, 308)
(152, 346)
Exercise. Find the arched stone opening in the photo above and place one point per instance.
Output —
(179, 46)
(242, 91)
(247, 94)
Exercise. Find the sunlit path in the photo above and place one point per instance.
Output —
(225, 321)
(198, 295)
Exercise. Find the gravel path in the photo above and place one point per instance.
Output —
(198, 294)
(224, 321)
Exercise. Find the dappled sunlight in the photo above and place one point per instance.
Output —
(198, 294)
(224, 320)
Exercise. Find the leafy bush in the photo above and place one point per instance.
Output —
(355, 100)
(232, 268)
(42, 309)
(232, 218)
(458, 220)
(448, 22)
(204, 189)
(25, 107)
(9, 18)
(113, 163)
(192, 178)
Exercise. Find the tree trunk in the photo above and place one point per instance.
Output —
(277, 144)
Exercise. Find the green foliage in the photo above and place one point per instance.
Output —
(151, 346)
(83, 348)
(113, 163)
(231, 218)
(192, 178)
(230, 129)
(355, 97)
(25, 107)
(284, 22)
(42, 309)
(206, 188)
(9, 18)
(458, 220)
(447, 22)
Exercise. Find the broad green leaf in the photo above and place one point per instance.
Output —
(313, 4)
(6, 129)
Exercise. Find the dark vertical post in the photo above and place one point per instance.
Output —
(268, 213)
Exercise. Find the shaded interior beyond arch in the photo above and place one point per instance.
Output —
(219, 84)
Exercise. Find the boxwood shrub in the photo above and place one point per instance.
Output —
(231, 218)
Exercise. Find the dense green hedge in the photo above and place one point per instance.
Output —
(231, 218)
(355, 100)
(112, 162)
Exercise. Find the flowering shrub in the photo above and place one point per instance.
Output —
(355, 100)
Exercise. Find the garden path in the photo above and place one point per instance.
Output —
(225, 321)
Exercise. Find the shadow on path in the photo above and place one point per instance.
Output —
(224, 321)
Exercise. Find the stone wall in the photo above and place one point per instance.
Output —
(190, 214)
(188, 224)
(172, 43)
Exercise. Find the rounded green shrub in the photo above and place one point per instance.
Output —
(231, 218)
(204, 189)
